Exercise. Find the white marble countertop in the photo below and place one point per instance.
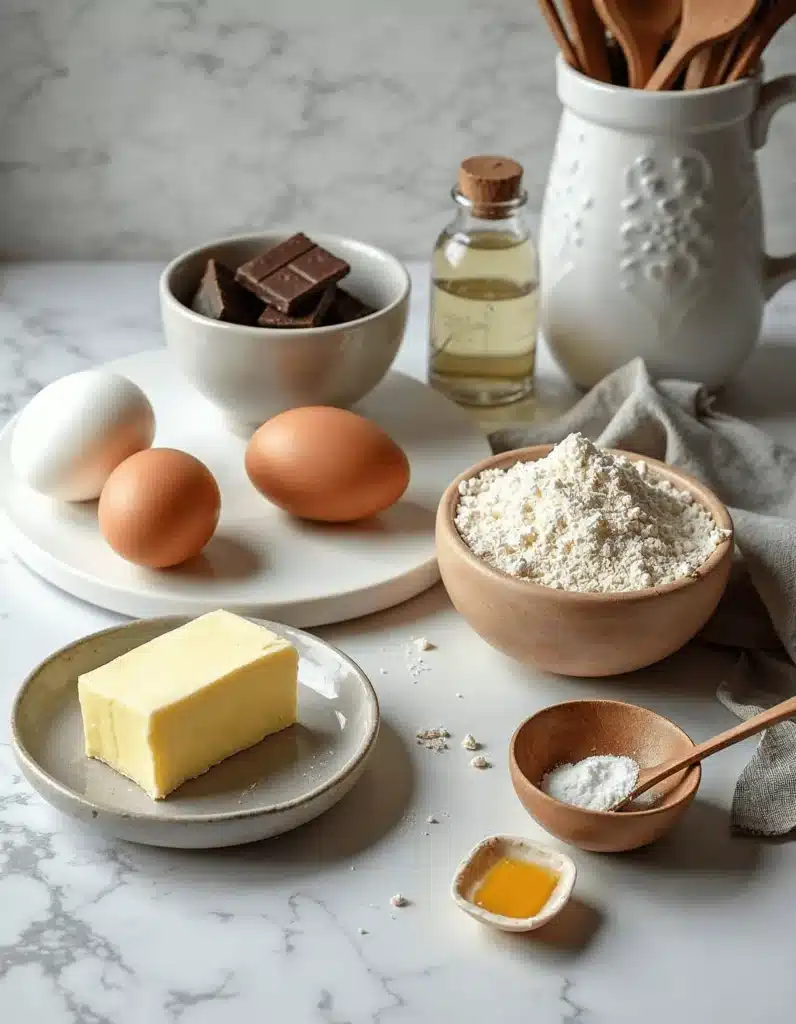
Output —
(696, 928)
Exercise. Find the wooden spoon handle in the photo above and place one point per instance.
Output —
(556, 25)
(588, 37)
(763, 29)
(742, 731)
(640, 49)
(731, 47)
(702, 71)
(681, 51)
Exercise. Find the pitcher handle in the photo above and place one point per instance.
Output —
(777, 270)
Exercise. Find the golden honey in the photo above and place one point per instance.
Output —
(515, 888)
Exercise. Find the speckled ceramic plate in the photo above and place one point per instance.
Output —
(281, 783)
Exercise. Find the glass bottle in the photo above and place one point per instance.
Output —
(484, 283)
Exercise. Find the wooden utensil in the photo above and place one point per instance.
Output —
(731, 50)
(712, 63)
(649, 777)
(773, 16)
(641, 28)
(704, 69)
(701, 24)
(556, 26)
(588, 38)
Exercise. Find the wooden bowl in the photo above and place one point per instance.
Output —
(566, 733)
(568, 632)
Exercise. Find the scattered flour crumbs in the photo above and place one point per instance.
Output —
(584, 519)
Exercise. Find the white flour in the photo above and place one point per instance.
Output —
(584, 519)
(597, 783)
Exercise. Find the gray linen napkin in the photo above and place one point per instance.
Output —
(756, 478)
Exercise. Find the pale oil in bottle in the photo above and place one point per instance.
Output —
(483, 319)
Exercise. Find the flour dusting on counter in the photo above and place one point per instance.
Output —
(433, 739)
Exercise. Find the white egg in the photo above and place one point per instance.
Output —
(72, 435)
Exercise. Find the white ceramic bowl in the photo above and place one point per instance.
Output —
(488, 852)
(253, 373)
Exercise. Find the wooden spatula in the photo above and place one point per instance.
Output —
(641, 27)
(772, 17)
(588, 38)
(703, 23)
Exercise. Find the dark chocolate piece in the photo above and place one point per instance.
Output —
(310, 315)
(250, 274)
(220, 297)
(345, 308)
(289, 274)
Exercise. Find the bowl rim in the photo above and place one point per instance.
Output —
(691, 780)
(533, 453)
(273, 333)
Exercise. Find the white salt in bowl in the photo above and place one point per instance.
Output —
(572, 633)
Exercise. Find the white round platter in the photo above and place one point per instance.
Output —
(261, 561)
(277, 785)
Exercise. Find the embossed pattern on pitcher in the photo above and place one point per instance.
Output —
(666, 234)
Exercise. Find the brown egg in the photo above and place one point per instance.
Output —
(159, 507)
(326, 464)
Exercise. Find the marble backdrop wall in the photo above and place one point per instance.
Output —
(135, 128)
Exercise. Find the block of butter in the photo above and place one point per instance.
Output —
(169, 710)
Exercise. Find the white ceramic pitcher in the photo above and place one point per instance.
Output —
(651, 241)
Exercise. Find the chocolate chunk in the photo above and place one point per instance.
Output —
(290, 273)
(250, 274)
(220, 297)
(309, 315)
(345, 308)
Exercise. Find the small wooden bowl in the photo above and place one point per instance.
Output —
(568, 632)
(567, 733)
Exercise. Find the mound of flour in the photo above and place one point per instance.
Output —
(586, 520)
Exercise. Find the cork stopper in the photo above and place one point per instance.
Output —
(487, 180)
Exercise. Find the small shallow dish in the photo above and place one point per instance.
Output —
(253, 373)
(571, 633)
(488, 852)
(273, 787)
(567, 733)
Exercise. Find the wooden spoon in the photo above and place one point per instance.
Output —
(703, 22)
(641, 28)
(712, 63)
(588, 38)
(649, 777)
(556, 26)
(772, 17)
